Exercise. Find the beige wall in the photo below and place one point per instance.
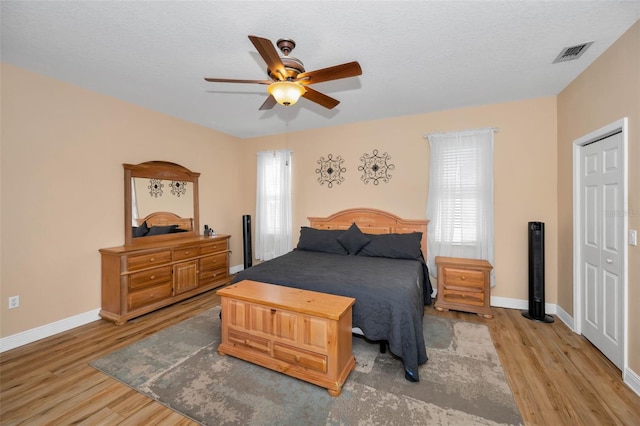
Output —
(606, 92)
(63, 194)
(525, 175)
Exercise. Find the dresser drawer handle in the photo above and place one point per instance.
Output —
(153, 259)
(152, 277)
(297, 358)
(186, 253)
(462, 277)
(215, 261)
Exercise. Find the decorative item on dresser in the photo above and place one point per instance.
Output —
(164, 259)
(463, 285)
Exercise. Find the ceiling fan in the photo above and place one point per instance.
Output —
(289, 80)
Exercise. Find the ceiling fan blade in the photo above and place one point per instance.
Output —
(350, 69)
(233, 80)
(320, 98)
(269, 103)
(268, 52)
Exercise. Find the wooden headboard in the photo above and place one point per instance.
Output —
(373, 221)
(166, 219)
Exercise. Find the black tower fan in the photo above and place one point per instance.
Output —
(536, 274)
(246, 240)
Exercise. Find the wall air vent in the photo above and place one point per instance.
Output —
(572, 53)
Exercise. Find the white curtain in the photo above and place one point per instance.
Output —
(273, 204)
(134, 204)
(460, 199)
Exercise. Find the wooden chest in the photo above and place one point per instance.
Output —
(304, 334)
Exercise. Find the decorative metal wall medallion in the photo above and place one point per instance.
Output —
(375, 167)
(155, 187)
(178, 187)
(331, 170)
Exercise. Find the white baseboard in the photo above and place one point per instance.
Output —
(236, 268)
(565, 318)
(47, 330)
(549, 308)
(30, 336)
(632, 380)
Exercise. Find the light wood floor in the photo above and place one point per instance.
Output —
(557, 377)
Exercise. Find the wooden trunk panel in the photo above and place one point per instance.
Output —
(258, 326)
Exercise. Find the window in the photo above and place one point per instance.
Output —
(273, 204)
(460, 200)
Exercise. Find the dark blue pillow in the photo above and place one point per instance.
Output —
(353, 239)
(161, 230)
(323, 240)
(140, 231)
(394, 246)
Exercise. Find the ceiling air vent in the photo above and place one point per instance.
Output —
(572, 53)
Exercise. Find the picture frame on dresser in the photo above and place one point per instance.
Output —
(164, 258)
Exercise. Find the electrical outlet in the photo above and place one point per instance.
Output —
(14, 302)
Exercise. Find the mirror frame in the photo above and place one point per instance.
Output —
(158, 170)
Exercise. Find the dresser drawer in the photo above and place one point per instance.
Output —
(249, 341)
(212, 263)
(455, 277)
(149, 295)
(302, 358)
(141, 261)
(150, 277)
(214, 247)
(211, 277)
(465, 297)
(185, 252)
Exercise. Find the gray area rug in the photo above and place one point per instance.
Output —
(463, 382)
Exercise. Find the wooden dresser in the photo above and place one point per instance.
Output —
(464, 285)
(145, 277)
(304, 334)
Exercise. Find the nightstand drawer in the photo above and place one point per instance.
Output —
(466, 297)
(456, 277)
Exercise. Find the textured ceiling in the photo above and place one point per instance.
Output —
(416, 56)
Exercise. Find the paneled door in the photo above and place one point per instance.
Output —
(602, 252)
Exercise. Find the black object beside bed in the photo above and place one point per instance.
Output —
(385, 273)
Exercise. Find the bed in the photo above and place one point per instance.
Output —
(373, 256)
(160, 223)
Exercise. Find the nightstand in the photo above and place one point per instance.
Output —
(464, 285)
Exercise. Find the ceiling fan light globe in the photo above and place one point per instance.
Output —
(286, 93)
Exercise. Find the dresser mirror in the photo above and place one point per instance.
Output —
(160, 202)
